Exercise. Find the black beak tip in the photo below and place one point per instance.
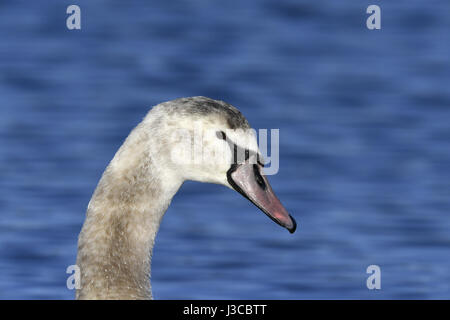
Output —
(294, 225)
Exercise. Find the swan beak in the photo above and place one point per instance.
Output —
(249, 181)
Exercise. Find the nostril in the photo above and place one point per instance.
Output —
(258, 178)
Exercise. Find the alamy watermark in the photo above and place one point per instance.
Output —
(374, 280)
(73, 281)
(73, 22)
(374, 20)
(199, 146)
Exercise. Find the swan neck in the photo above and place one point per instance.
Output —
(123, 217)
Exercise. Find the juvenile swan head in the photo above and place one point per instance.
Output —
(194, 138)
(205, 140)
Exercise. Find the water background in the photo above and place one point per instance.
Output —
(364, 119)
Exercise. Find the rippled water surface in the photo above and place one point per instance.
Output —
(364, 119)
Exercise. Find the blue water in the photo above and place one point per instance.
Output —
(364, 119)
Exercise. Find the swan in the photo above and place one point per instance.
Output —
(123, 216)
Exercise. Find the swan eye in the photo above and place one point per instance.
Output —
(221, 135)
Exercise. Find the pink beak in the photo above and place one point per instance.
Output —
(246, 178)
